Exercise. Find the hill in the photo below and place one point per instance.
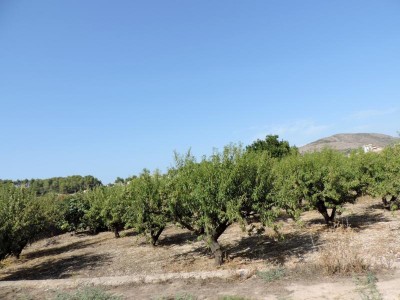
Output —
(350, 141)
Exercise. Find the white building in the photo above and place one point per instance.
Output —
(372, 148)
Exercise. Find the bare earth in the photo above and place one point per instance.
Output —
(181, 264)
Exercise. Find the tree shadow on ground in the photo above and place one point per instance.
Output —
(201, 250)
(58, 250)
(58, 269)
(129, 233)
(262, 247)
(363, 221)
(378, 206)
(358, 220)
(178, 239)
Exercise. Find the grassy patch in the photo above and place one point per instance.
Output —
(367, 287)
(273, 274)
(88, 293)
(180, 296)
(233, 298)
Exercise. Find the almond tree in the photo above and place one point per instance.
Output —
(320, 180)
(114, 208)
(386, 183)
(22, 219)
(147, 209)
(208, 196)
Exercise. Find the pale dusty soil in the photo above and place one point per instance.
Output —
(121, 265)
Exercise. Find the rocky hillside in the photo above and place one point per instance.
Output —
(349, 141)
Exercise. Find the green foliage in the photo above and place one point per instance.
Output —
(94, 201)
(365, 167)
(59, 185)
(273, 274)
(204, 196)
(221, 189)
(74, 208)
(54, 211)
(147, 210)
(122, 181)
(179, 296)
(276, 148)
(386, 183)
(23, 217)
(318, 180)
(114, 205)
(96, 210)
(367, 287)
(185, 296)
(233, 298)
(88, 293)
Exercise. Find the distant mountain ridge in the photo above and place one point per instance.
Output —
(349, 141)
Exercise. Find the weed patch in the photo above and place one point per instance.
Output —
(88, 293)
(367, 287)
(273, 274)
(180, 296)
(233, 298)
(341, 257)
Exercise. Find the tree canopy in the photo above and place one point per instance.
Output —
(59, 185)
(276, 148)
(218, 191)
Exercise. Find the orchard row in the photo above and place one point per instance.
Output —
(206, 196)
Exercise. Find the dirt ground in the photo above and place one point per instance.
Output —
(318, 263)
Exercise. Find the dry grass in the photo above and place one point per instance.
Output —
(341, 256)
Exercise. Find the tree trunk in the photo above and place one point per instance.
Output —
(333, 214)
(213, 242)
(155, 234)
(329, 219)
(116, 231)
(216, 251)
(198, 231)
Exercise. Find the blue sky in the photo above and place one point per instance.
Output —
(108, 88)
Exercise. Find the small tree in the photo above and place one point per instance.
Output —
(74, 209)
(114, 208)
(22, 219)
(209, 196)
(147, 210)
(386, 180)
(320, 180)
(95, 201)
(365, 167)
